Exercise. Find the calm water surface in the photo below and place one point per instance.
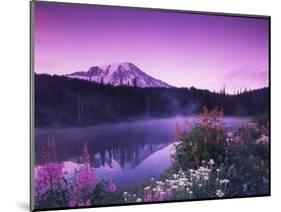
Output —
(126, 153)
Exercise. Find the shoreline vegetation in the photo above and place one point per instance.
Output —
(210, 161)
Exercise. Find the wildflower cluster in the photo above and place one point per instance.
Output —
(248, 156)
(50, 184)
(263, 140)
(242, 152)
(48, 179)
(203, 141)
(192, 183)
(84, 182)
(54, 189)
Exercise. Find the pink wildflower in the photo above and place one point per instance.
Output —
(48, 177)
(84, 185)
(237, 140)
(167, 195)
(74, 203)
(111, 187)
(149, 197)
(84, 182)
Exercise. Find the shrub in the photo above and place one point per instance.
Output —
(53, 189)
(84, 182)
(242, 155)
(205, 140)
(248, 161)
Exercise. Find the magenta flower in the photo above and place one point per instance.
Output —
(84, 182)
(112, 187)
(85, 179)
(167, 195)
(48, 177)
(75, 203)
(149, 197)
(238, 140)
(83, 186)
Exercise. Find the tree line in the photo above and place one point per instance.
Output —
(61, 101)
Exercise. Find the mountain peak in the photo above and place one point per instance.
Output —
(116, 74)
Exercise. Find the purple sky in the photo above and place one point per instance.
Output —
(181, 49)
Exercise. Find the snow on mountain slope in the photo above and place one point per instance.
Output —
(119, 74)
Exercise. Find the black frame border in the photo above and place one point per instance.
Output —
(31, 90)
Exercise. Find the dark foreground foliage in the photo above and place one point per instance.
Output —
(241, 155)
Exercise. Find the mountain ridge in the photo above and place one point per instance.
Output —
(118, 74)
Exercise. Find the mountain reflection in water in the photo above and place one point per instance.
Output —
(127, 153)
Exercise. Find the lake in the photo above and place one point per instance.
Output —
(125, 153)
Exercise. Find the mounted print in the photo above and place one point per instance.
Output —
(136, 105)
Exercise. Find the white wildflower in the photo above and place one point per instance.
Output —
(226, 181)
(125, 193)
(160, 183)
(146, 188)
(181, 184)
(211, 162)
(263, 139)
(139, 200)
(219, 193)
(158, 189)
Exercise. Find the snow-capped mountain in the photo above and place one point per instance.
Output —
(119, 74)
(115, 160)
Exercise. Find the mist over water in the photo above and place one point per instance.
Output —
(127, 153)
